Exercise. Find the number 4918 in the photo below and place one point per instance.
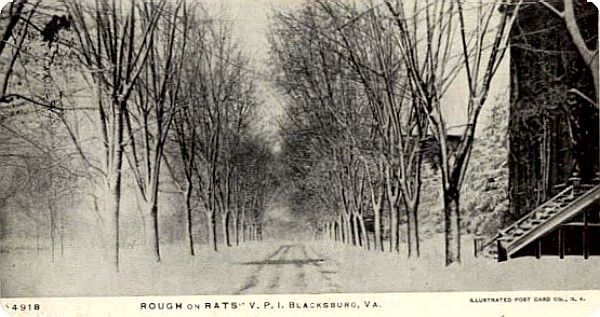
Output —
(24, 307)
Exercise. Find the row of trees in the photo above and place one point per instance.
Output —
(365, 86)
(145, 98)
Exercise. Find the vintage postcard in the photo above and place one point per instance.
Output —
(299, 157)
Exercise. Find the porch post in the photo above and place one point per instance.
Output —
(586, 251)
(561, 242)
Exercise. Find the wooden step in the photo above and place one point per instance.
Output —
(541, 216)
(509, 231)
(513, 236)
(565, 203)
(551, 211)
(526, 226)
(553, 205)
(518, 233)
(566, 198)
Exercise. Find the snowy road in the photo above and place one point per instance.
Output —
(291, 268)
(276, 267)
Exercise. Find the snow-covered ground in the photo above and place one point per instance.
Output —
(386, 272)
(88, 272)
(284, 267)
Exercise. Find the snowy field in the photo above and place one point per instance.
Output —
(285, 267)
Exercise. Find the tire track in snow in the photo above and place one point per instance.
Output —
(276, 269)
(328, 271)
(292, 269)
(300, 274)
(253, 280)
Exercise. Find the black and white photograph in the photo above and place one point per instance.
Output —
(238, 147)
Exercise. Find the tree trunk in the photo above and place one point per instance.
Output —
(333, 231)
(225, 225)
(342, 229)
(52, 206)
(590, 57)
(243, 225)
(332, 224)
(412, 226)
(349, 236)
(212, 229)
(235, 224)
(378, 243)
(356, 240)
(114, 179)
(260, 232)
(52, 231)
(377, 201)
(394, 218)
(154, 231)
(336, 231)
(409, 224)
(452, 221)
(416, 230)
(61, 230)
(190, 220)
(364, 238)
(113, 202)
(16, 9)
(149, 212)
(594, 69)
(393, 228)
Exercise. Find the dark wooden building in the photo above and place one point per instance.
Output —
(553, 133)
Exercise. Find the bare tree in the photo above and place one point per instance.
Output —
(399, 123)
(28, 23)
(432, 66)
(325, 101)
(587, 48)
(113, 42)
(154, 104)
(211, 131)
(16, 12)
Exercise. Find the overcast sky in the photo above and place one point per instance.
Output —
(250, 22)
